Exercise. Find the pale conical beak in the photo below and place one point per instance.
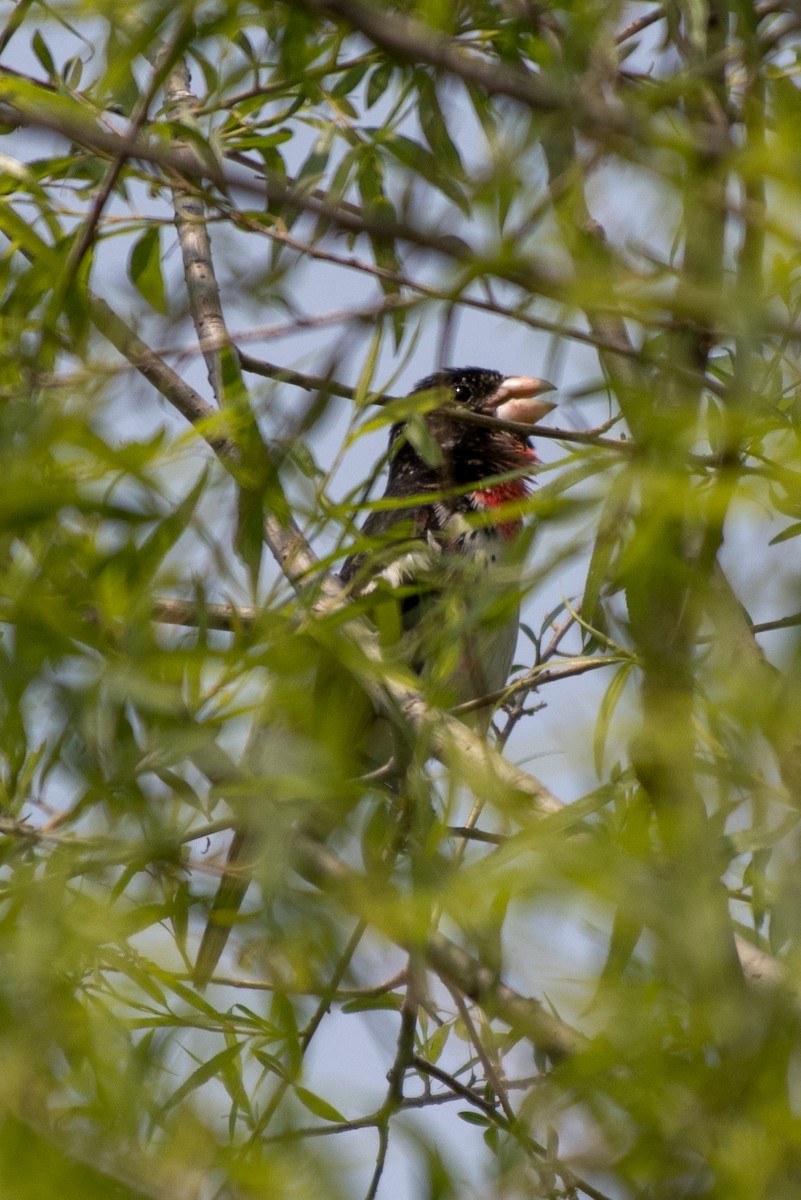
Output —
(519, 398)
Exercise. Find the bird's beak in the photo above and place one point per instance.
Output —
(519, 398)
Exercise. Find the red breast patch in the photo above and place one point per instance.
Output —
(496, 497)
(505, 493)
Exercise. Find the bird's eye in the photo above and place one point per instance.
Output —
(462, 393)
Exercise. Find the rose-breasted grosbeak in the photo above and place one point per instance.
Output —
(435, 560)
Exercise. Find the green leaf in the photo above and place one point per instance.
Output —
(373, 1004)
(315, 1104)
(211, 75)
(422, 162)
(755, 876)
(313, 169)
(792, 531)
(365, 380)
(271, 1062)
(168, 532)
(141, 917)
(144, 268)
(605, 551)
(492, 1138)
(72, 72)
(404, 408)
(42, 52)
(206, 1071)
(143, 979)
(243, 43)
(605, 713)
(249, 538)
(179, 915)
(436, 1043)
(473, 1118)
(282, 1014)
(434, 128)
(350, 80)
(378, 82)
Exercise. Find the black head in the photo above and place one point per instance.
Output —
(471, 386)
(508, 397)
(471, 453)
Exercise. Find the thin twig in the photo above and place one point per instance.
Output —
(637, 26)
(538, 676)
(778, 623)
(473, 1097)
(491, 1069)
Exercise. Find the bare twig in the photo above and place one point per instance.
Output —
(641, 23)
(778, 623)
(404, 1057)
(491, 1069)
(189, 403)
(471, 1096)
(538, 676)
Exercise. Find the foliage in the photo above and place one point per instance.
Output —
(451, 970)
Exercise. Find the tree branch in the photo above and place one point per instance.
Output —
(417, 42)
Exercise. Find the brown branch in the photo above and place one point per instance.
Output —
(189, 403)
(641, 23)
(609, 335)
(507, 1121)
(766, 973)
(73, 124)
(538, 676)
(300, 379)
(193, 236)
(492, 1070)
(199, 615)
(416, 42)
(454, 1085)
(286, 83)
(587, 437)
(779, 623)
(451, 295)
(363, 314)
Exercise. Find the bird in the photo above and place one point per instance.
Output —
(439, 571)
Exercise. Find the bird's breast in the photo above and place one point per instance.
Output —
(499, 497)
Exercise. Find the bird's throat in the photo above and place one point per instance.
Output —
(498, 497)
(502, 494)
